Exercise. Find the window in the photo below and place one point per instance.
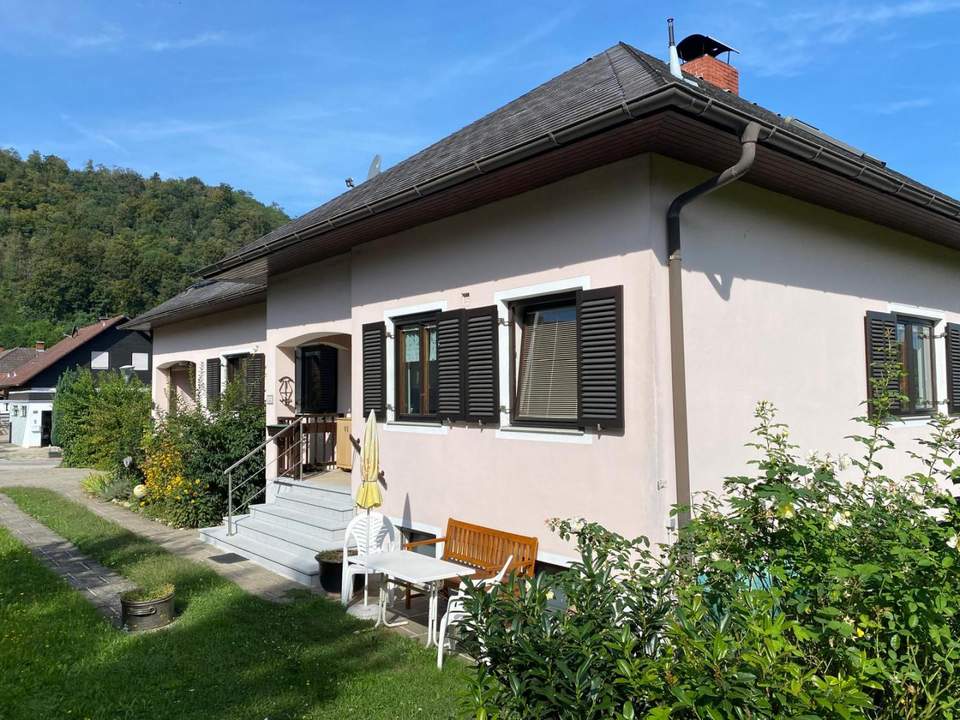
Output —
(416, 357)
(318, 379)
(140, 361)
(546, 362)
(907, 341)
(100, 360)
(249, 369)
(915, 349)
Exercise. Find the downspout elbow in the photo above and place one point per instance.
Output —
(748, 154)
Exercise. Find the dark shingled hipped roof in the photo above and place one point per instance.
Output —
(199, 299)
(616, 75)
(614, 81)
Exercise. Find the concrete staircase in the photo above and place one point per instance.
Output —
(286, 532)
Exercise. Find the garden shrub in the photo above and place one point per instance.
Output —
(99, 421)
(792, 594)
(187, 453)
(72, 403)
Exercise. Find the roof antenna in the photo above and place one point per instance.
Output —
(674, 58)
(349, 182)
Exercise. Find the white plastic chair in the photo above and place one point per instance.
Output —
(456, 610)
(368, 533)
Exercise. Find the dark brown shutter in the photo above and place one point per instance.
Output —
(600, 342)
(450, 365)
(375, 369)
(213, 383)
(255, 371)
(881, 329)
(480, 365)
(953, 367)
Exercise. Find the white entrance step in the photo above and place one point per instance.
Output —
(285, 533)
(299, 565)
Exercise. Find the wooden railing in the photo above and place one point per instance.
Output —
(311, 448)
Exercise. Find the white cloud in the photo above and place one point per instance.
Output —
(195, 41)
(91, 134)
(897, 106)
(783, 44)
(107, 36)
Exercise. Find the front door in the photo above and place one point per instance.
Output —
(46, 427)
(318, 380)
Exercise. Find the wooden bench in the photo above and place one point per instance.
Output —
(484, 549)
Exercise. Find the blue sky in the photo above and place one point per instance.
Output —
(286, 99)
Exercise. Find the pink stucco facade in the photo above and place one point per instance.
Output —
(775, 293)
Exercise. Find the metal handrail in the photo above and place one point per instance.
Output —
(231, 511)
(295, 424)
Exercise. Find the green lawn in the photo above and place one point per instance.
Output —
(228, 655)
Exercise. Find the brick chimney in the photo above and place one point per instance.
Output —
(40, 346)
(699, 53)
(716, 72)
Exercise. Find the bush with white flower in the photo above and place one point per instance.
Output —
(792, 594)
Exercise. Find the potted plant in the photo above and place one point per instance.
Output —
(147, 608)
(331, 571)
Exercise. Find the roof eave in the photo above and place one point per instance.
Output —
(682, 97)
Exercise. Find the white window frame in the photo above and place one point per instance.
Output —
(392, 424)
(503, 299)
(96, 356)
(145, 358)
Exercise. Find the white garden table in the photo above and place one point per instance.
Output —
(415, 569)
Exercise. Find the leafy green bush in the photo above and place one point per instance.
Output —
(792, 594)
(72, 403)
(99, 421)
(188, 452)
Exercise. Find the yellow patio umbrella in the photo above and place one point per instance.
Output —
(368, 496)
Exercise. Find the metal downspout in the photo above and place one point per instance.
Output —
(748, 153)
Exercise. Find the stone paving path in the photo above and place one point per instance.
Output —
(30, 472)
(100, 585)
(186, 543)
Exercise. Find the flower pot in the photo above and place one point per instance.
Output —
(331, 576)
(140, 615)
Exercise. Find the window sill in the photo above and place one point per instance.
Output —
(544, 434)
(422, 428)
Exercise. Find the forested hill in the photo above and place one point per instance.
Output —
(79, 244)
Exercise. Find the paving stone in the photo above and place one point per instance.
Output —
(96, 583)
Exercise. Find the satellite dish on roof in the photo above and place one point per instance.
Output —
(374, 169)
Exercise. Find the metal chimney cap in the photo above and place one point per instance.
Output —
(697, 45)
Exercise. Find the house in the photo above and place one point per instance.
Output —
(29, 388)
(550, 322)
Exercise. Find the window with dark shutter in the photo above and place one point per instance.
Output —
(568, 359)
(450, 375)
(374, 369)
(254, 379)
(213, 383)
(481, 365)
(600, 335)
(953, 367)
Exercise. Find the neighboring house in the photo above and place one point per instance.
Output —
(511, 304)
(30, 387)
(10, 360)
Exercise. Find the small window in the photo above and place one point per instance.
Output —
(140, 361)
(915, 347)
(546, 380)
(416, 355)
(100, 360)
